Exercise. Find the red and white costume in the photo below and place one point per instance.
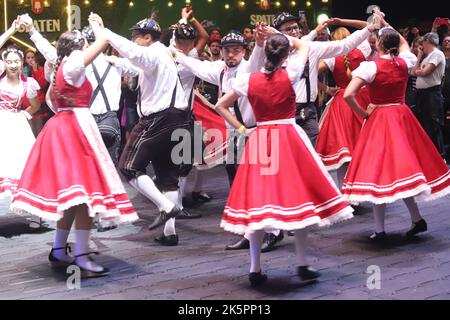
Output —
(340, 125)
(394, 158)
(17, 139)
(69, 164)
(292, 190)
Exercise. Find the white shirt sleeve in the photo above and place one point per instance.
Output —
(435, 59)
(330, 63)
(365, 48)
(126, 68)
(206, 70)
(310, 36)
(256, 61)
(32, 88)
(367, 71)
(145, 58)
(410, 59)
(44, 46)
(325, 50)
(240, 84)
(74, 71)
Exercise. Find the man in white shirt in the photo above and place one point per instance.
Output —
(162, 107)
(222, 73)
(430, 101)
(307, 89)
(106, 80)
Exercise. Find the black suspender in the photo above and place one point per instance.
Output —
(308, 82)
(100, 87)
(236, 109)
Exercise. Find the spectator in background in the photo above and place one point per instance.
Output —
(410, 34)
(411, 89)
(373, 45)
(214, 48)
(440, 28)
(34, 70)
(446, 93)
(323, 35)
(430, 104)
(247, 32)
(215, 33)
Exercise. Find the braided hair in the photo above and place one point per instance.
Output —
(277, 48)
(67, 43)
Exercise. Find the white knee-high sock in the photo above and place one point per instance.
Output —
(169, 227)
(413, 209)
(341, 172)
(256, 240)
(198, 180)
(301, 239)
(60, 242)
(82, 247)
(61, 238)
(146, 186)
(379, 214)
(82, 242)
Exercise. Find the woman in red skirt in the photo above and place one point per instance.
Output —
(69, 174)
(394, 158)
(340, 126)
(281, 183)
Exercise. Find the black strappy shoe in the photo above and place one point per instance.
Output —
(86, 273)
(55, 262)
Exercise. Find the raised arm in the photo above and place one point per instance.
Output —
(206, 70)
(357, 24)
(100, 43)
(9, 33)
(142, 57)
(124, 66)
(41, 43)
(202, 36)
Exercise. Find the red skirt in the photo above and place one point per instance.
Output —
(69, 166)
(286, 187)
(340, 129)
(395, 159)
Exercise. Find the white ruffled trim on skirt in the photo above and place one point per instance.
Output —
(23, 208)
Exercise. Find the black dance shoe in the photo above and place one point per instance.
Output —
(168, 241)
(186, 215)
(163, 217)
(257, 279)
(270, 240)
(378, 237)
(55, 262)
(87, 273)
(307, 273)
(417, 228)
(240, 245)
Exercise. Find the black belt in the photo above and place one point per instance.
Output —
(305, 105)
(431, 89)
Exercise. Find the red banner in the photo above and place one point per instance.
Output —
(265, 5)
(37, 6)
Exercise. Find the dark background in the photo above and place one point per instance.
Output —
(400, 13)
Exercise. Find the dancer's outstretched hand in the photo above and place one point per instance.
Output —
(26, 21)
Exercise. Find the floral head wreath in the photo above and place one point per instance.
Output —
(12, 50)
